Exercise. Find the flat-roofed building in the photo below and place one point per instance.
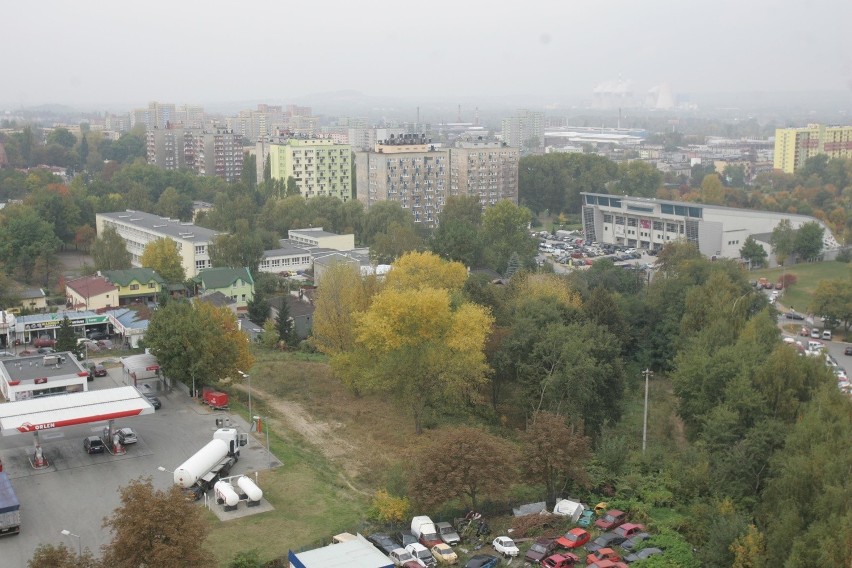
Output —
(286, 258)
(137, 229)
(488, 170)
(318, 238)
(318, 165)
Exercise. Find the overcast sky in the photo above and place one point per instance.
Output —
(188, 51)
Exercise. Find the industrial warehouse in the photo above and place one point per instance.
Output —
(717, 231)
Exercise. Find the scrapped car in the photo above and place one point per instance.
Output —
(404, 538)
(505, 546)
(541, 549)
(482, 561)
(575, 538)
(603, 554)
(444, 554)
(421, 553)
(612, 519)
(564, 560)
(447, 533)
(607, 564)
(628, 529)
(383, 542)
(605, 540)
(635, 540)
(402, 558)
(642, 555)
(126, 436)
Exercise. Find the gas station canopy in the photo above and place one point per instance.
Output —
(71, 409)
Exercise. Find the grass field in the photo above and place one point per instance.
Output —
(808, 277)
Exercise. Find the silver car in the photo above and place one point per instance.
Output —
(126, 436)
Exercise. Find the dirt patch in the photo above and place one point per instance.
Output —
(327, 437)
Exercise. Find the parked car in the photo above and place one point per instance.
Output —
(603, 554)
(482, 561)
(97, 335)
(605, 540)
(565, 560)
(44, 341)
(45, 350)
(826, 335)
(794, 316)
(447, 533)
(383, 542)
(444, 554)
(607, 564)
(505, 546)
(99, 370)
(635, 540)
(422, 554)
(586, 518)
(94, 445)
(6, 354)
(402, 558)
(612, 519)
(575, 538)
(628, 529)
(642, 555)
(804, 332)
(404, 538)
(126, 436)
(155, 402)
(815, 334)
(541, 549)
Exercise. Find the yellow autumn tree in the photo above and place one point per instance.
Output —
(749, 549)
(546, 286)
(342, 293)
(163, 257)
(417, 346)
(417, 270)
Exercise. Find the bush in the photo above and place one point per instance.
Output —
(388, 509)
(845, 255)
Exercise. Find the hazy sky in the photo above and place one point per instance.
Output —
(95, 51)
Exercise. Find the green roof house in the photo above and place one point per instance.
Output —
(135, 284)
(236, 283)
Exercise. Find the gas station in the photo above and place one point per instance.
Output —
(48, 413)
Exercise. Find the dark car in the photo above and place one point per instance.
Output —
(482, 561)
(97, 335)
(794, 316)
(541, 549)
(99, 370)
(848, 350)
(404, 538)
(606, 540)
(46, 350)
(642, 555)
(155, 402)
(635, 540)
(94, 445)
(383, 542)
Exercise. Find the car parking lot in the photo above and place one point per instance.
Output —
(78, 490)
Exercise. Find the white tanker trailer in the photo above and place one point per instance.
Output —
(211, 462)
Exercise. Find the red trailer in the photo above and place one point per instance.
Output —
(215, 399)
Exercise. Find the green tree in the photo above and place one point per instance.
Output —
(638, 178)
(712, 190)
(24, 236)
(457, 235)
(398, 240)
(783, 241)
(258, 308)
(753, 252)
(463, 463)
(380, 217)
(55, 204)
(174, 205)
(63, 137)
(161, 255)
(832, 300)
(156, 528)
(807, 244)
(292, 187)
(109, 251)
(284, 324)
(269, 336)
(83, 150)
(504, 228)
(66, 340)
(247, 559)
(243, 248)
(50, 556)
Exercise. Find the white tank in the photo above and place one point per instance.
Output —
(253, 492)
(226, 493)
(200, 463)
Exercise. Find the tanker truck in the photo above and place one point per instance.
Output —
(201, 471)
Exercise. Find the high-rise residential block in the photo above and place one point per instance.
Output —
(524, 130)
(488, 170)
(217, 152)
(793, 146)
(318, 165)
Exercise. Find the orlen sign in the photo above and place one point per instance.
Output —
(29, 427)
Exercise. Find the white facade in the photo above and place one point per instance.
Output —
(652, 223)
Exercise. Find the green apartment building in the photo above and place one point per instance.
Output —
(319, 166)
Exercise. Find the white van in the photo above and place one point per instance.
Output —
(815, 346)
(826, 335)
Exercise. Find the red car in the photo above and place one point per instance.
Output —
(575, 538)
(44, 341)
(613, 518)
(566, 560)
(603, 554)
(629, 529)
(607, 564)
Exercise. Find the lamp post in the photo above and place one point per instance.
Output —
(79, 541)
(647, 373)
(248, 378)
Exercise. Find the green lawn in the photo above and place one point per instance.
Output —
(808, 277)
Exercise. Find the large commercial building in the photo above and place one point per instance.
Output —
(138, 229)
(795, 145)
(488, 170)
(652, 223)
(319, 166)
(216, 153)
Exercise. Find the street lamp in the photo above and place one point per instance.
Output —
(248, 378)
(79, 541)
(647, 373)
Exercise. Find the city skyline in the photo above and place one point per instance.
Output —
(205, 53)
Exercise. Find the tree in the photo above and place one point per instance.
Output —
(461, 462)
(832, 300)
(156, 528)
(418, 346)
(84, 237)
(63, 137)
(269, 337)
(174, 205)
(712, 190)
(457, 235)
(246, 559)
(504, 228)
(242, 248)
(109, 251)
(398, 240)
(807, 244)
(380, 217)
(554, 453)
(387, 509)
(783, 241)
(638, 178)
(197, 343)
(292, 187)
(161, 255)
(258, 308)
(341, 295)
(749, 549)
(284, 324)
(753, 252)
(66, 340)
(50, 556)
(417, 270)
(24, 236)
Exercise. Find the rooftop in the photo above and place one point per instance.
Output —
(358, 553)
(163, 226)
(213, 278)
(88, 286)
(34, 367)
(311, 233)
(125, 277)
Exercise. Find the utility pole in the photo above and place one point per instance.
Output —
(647, 373)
